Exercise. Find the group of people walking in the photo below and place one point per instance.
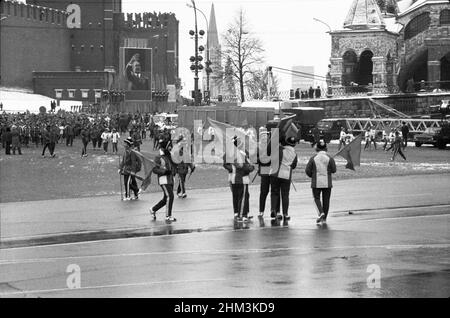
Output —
(276, 177)
(396, 140)
(167, 171)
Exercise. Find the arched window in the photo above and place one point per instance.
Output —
(417, 25)
(444, 17)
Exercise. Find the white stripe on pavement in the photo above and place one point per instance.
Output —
(255, 250)
(41, 291)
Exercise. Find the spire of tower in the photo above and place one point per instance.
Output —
(213, 36)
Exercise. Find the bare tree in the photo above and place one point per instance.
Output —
(243, 50)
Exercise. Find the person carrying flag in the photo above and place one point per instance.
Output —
(320, 167)
(238, 176)
(182, 170)
(165, 170)
(280, 178)
(129, 167)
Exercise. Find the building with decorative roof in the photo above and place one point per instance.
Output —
(392, 46)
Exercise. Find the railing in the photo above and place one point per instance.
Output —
(354, 91)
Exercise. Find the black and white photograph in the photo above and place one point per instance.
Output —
(225, 156)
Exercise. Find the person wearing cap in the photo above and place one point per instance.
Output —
(320, 167)
(164, 169)
(280, 178)
(128, 167)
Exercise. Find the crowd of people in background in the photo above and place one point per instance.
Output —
(46, 130)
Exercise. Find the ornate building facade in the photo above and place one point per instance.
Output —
(392, 46)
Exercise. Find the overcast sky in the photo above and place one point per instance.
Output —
(289, 34)
(286, 27)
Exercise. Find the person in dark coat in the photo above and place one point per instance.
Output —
(128, 167)
(311, 92)
(85, 138)
(7, 139)
(69, 133)
(405, 132)
(46, 140)
(15, 140)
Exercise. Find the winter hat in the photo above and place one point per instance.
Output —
(321, 145)
(290, 141)
(129, 141)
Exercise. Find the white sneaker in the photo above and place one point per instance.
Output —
(170, 219)
(127, 199)
(184, 195)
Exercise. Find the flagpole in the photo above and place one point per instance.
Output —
(293, 186)
(120, 181)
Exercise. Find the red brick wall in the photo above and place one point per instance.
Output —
(28, 44)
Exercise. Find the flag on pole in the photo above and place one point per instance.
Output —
(148, 165)
(223, 130)
(352, 153)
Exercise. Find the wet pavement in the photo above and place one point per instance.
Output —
(390, 245)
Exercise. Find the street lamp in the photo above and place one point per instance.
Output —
(315, 19)
(195, 59)
(208, 63)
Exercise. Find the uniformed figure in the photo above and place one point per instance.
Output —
(164, 170)
(280, 178)
(128, 167)
(320, 167)
(238, 176)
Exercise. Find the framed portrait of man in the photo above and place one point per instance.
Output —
(136, 70)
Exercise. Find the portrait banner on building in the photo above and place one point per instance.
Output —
(136, 70)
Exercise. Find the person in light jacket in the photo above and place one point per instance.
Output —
(238, 176)
(280, 178)
(320, 168)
